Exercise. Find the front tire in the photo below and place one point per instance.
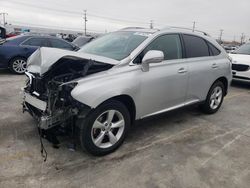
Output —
(214, 98)
(18, 65)
(105, 129)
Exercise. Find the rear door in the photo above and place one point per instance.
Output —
(201, 65)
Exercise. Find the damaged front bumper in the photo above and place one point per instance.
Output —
(35, 107)
(46, 121)
(56, 108)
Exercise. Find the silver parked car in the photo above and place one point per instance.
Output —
(121, 77)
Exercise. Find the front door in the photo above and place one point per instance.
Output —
(164, 86)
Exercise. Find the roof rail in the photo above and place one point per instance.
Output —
(173, 27)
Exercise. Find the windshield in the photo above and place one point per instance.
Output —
(117, 45)
(244, 49)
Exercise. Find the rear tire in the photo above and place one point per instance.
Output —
(18, 65)
(105, 129)
(214, 98)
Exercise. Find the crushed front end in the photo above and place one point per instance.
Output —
(47, 97)
(50, 102)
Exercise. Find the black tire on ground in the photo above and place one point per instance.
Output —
(13, 65)
(206, 106)
(86, 125)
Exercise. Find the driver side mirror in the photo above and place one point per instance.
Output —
(152, 56)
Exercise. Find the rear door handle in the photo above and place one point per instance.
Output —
(182, 70)
(214, 66)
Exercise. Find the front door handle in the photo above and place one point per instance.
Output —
(214, 66)
(182, 70)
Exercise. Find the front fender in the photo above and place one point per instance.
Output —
(93, 93)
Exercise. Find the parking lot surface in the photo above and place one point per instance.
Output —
(183, 148)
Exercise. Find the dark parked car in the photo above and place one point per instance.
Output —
(2, 33)
(15, 51)
(82, 40)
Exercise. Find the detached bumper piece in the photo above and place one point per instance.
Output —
(37, 108)
(41, 105)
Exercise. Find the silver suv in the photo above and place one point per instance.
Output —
(124, 76)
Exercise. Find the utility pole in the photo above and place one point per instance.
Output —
(220, 37)
(85, 22)
(151, 26)
(193, 26)
(4, 14)
(242, 38)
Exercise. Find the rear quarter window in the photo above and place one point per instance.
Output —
(213, 50)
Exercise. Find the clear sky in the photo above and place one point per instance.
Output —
(233, 16)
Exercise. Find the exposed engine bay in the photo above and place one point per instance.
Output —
(48, 97)
(54, 89)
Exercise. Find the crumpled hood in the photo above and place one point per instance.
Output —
(43, 58)
(240, 59)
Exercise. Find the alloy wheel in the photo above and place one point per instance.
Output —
(216, 97)
(19, 66)
(108, 129)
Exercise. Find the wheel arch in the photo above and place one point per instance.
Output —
(225, 83)
(15, 57)
(128, 102)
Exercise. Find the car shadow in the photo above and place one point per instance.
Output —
(240, 84)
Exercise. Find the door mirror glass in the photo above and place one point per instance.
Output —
(152, 56)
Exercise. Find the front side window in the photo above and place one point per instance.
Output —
(169, 44)
(117, 45)
(36, 42)
(195, 46)
(244, 49)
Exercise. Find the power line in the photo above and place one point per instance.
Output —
(85, 22)
(46, 8)
(4, 14)
(77, 13)
(98, 16)
(117, 19)
(193, 26)
(151, 26)
(17, 23)
(242, 38)
(220, 36)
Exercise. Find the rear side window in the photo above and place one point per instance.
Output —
(36, 42)
(56, 43)
(214, 51)
(195, 46)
